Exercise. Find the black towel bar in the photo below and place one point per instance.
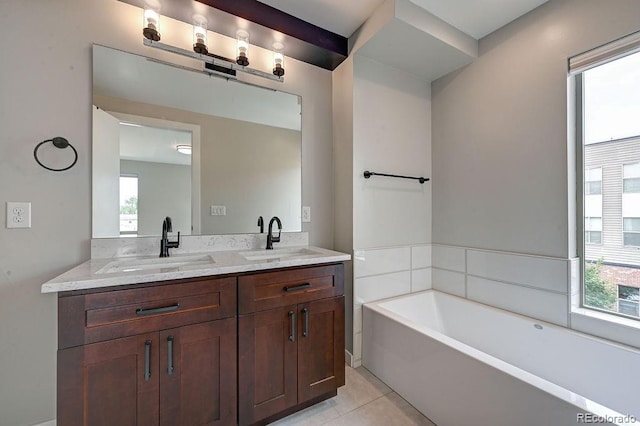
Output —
(368, 174)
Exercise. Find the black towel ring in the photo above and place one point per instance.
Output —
(58, 142)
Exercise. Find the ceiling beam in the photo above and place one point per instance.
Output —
(303, 41)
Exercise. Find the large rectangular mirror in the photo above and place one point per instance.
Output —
(213, 154)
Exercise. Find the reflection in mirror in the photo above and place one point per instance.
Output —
(245, 159)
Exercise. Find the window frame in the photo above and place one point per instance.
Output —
(586, 220)
(577, 66)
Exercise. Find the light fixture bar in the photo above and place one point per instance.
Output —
(213, 61)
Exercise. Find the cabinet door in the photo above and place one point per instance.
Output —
(267, 363)
(320, 347)
(198, 374)
(109, 383)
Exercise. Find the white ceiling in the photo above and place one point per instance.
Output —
(474, 17)
(478, 17)
(338, 16)
(144, 143)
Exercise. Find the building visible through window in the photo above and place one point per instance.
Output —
(611, 195)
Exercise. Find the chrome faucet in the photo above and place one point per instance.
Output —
(165, 244)
(270, 238)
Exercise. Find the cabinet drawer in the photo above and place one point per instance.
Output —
(269, 290)
(107, 315)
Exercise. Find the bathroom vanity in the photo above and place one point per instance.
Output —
(244, 339)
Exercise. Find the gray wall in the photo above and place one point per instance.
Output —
(500, 162)
(46, 92)
(163, 190)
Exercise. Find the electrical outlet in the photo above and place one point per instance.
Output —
(218, 210)
(18, 215)
(306, 214)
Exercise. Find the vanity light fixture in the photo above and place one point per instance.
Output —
(184, 149)
(200, 34)
(278, 59)
(151, 20)
(242, 48)
(213, 64)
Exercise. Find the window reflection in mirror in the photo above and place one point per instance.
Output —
(246, 149)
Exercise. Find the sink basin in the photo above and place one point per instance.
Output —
(160, 263)
(276, 254)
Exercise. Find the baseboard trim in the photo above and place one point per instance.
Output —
(49, 423)
(348, 358)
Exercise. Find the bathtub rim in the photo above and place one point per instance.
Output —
(518, 373)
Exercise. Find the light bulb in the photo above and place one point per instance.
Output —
(200, 34)
(278, 59)
(242, 58)
(151, 20)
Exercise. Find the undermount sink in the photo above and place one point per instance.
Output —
(283, 253)
(162, 263)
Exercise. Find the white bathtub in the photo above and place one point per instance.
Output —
(463, 363)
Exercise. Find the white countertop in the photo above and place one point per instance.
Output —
(95, 273)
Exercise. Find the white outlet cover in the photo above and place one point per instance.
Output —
(306, 214)
(18, 214)
(218, 210)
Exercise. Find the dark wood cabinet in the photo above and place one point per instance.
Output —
(104, 384)
(320, 347)
(178, 353)
(293, 355)
(198, 374)
(267, 375)
(139, 367)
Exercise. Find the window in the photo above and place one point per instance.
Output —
(608, 86)
(593, 181)
(631, 227)
(629, 300)
(128, 205)
(593, 230)
(631, 178)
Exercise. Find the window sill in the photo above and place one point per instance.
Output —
(606, 326)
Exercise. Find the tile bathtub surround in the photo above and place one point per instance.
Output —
(543, 305)
(449, 282)
(364, 400)
(535, 286)
(386, 272)
(448, 257)
(381, 261)
(107, 248)
(539, 272)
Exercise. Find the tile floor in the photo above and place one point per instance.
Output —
(364, 400)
